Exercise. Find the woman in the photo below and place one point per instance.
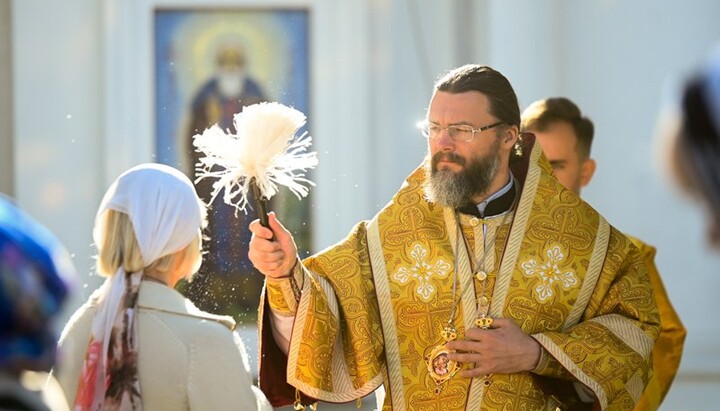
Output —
(137, 343)
(695, 142)
(36, 276)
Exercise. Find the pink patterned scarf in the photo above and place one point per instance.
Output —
(109, 379)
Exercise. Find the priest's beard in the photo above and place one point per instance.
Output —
(455, 190)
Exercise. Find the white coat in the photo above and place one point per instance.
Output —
(187, 359)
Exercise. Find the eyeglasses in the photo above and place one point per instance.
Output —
(459, 132)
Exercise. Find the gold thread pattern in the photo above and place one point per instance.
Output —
(281, 296)
(392, 352)
(345, 283)
(668, 348)
(593, 272)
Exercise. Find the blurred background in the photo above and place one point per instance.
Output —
(82, 99)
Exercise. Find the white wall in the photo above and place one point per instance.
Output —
(6, 138)
(83, 93)
(58, 119)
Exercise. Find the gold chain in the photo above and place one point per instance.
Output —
(440, 368)
(479, 270)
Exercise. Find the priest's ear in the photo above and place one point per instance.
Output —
(587, 170)
(510, 136)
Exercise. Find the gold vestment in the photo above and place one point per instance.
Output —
(669, 345)
(372, 304)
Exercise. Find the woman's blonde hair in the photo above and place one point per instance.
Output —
(119, 248)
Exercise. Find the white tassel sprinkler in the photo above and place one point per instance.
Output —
(263, 154)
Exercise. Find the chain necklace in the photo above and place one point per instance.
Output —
(440, 368)
(479, 271)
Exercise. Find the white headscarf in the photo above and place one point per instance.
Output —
(166, 215)
(162, 204)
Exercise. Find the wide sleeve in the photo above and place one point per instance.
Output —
(609, 350)
(219, 375)
(336, 351)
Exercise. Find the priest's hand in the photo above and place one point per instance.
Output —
(272, 257)
(501, 349)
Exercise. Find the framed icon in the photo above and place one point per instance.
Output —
(209, 64)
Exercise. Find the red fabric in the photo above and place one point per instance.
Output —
(273, 375)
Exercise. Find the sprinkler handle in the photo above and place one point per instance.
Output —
(261, 203)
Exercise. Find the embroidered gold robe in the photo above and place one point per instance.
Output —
(372, 305)
(669, 345)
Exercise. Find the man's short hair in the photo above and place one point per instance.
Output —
(540, 115)
(473, 77)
